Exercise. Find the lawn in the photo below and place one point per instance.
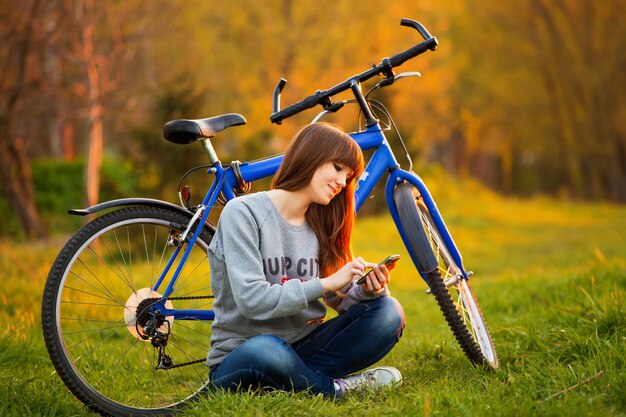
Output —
(550, 277)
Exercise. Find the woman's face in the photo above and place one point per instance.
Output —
(328, 180)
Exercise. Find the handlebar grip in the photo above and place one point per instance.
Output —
(420, 48)
(307, 103)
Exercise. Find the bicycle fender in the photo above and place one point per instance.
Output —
(129, 202)
(399, 176)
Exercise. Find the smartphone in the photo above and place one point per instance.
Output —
(389, 262)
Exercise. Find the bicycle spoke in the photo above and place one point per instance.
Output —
(145, 243)
(111, 369)
(94, 295)
(89, 270)
(470, 331)
(182, 282)
(121, 252)
(91, 304)
(104, 277)
(121, 274)
(130, 258)
(99, 330)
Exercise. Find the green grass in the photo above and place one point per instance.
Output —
(550, 277)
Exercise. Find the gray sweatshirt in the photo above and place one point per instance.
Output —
(265, 277)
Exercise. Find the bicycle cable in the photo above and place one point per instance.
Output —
(180, 183)
(389, 125)
(242, 186)
(381, 107)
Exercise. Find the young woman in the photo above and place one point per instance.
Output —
(275, 255)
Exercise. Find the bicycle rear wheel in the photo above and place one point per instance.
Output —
(452, 292)
(97, 288)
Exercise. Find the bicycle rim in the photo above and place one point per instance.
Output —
(482, 350)
(90, 317)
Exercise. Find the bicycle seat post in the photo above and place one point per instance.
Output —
(210, 151)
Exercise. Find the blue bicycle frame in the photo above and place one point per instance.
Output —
(381, 160)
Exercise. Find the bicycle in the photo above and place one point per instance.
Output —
(112, 310)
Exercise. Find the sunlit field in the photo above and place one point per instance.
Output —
(550, 277)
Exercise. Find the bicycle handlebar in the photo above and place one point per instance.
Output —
(385, 67)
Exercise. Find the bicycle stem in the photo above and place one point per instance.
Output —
(370, 120)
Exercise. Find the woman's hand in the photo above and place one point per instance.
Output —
(344, 275)
(377, 280)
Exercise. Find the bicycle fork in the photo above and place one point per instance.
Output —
(413, 233)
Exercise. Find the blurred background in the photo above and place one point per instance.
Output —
(525, 96)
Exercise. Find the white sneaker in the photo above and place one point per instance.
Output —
(375, 378)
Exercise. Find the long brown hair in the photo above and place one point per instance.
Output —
(313, 146)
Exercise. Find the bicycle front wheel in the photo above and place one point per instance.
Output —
(94, 295)
(451, 290)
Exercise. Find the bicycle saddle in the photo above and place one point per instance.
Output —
(185, 131)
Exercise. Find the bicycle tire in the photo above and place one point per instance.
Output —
(461, 311)
(90, 307)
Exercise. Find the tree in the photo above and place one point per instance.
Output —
(582, 62)
(99, 68)
(21, 78)
(538, 96)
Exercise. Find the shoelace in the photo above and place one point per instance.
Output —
(366, 378)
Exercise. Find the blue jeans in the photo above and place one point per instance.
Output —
(348, 343)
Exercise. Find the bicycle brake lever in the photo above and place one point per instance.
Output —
(407, 74)
(390, 80)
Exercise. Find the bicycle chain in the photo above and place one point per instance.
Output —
(192, 297)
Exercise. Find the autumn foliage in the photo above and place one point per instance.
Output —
(525, 95)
